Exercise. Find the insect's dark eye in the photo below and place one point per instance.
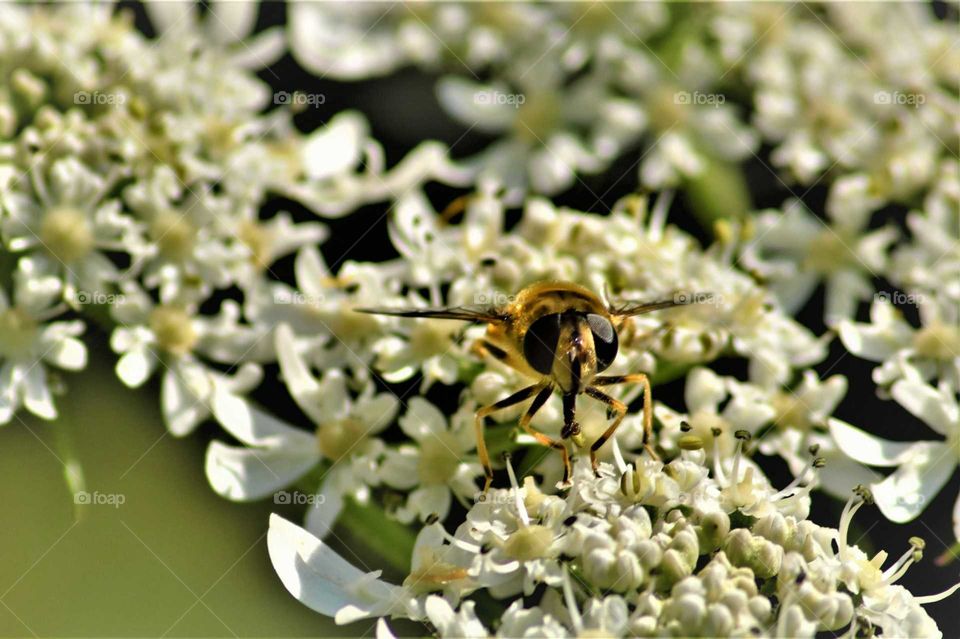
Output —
(540, 343)
(605, 340)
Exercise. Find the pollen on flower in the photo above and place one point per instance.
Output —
(336, 439)
(258, 240)
(66, 234)
(529, 543)
(174, 235)
(830, 251)
(938, 340)
(537, 117)
(173, 328)
(438, 459)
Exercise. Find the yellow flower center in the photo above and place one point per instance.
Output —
(529, 543)
(438, 459)
(173, 328)
(258, 240)
(66, 234)
(703, 423)
(174, 235)
(791, 412)
(537, 117)
(17, 332)
(938, 341)
(338, 439)
(829, 252)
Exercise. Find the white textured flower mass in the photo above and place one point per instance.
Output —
(139, 186)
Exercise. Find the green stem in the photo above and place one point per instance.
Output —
(369, 525)
(719, 192)
(72, 468)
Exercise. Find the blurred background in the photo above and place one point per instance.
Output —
(176, 560)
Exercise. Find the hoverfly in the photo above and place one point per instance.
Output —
(561, 336)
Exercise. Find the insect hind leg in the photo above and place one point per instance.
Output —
(633, 378)
(544, 439)
(518, 397)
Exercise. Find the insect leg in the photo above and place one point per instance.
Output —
(640, 378)
(545, 440)
(520, 396)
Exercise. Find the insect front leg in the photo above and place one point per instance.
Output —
(543, 439)
(634, 378)
(518, 397)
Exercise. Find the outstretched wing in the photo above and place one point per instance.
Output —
(629, 309)
(463, 313)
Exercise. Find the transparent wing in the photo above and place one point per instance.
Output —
(629, 309)
(463, 313)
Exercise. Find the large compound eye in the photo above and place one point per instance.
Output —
(605, 340)
(540, 343)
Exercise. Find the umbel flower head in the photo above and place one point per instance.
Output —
(651, 549)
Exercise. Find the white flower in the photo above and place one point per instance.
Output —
(794, 250)
(929, 352)
(930, 261)
(321, 309)
(704, 392)
(276, 454)
(553, 131)
(65, 219)
(190, 251)
(922, 467)
(172, 336)
(28, 343)
(437, 465)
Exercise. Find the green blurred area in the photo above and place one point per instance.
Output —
(174, 559)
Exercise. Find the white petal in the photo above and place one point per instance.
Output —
(320, 578)
(68, 353)
(904, 494)
(422, 420)
(230, 21)
(704, 390)
(335, 148)
(245, 474)
(383, 630)
(323, 512)
(254, 427)
(937, 410)
(376, 412)
(135, 367)
(36, 394)
(956, 518)
(481, 106)
(867, 448)
(302, 385)
(182, 408)
(399, 468)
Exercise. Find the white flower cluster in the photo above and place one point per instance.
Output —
(645, 550)
(133, 177)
